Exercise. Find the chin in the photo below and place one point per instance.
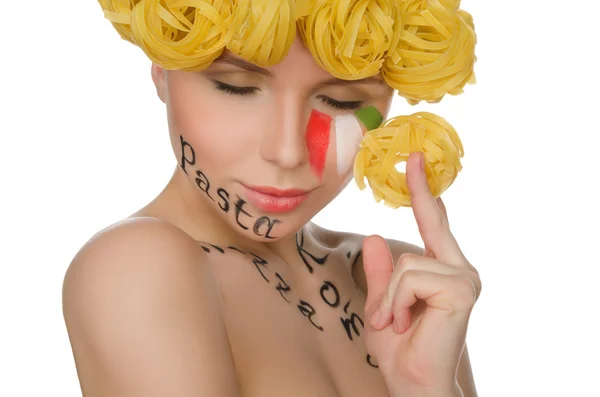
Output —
(272, 229)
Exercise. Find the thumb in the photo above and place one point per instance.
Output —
(378, 266)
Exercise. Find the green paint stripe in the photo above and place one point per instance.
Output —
(370, 117)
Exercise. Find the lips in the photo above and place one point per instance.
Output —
(270, 199)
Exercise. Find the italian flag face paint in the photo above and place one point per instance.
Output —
(318, 134)
(348, 134)
(370, 117)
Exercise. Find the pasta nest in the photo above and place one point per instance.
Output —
(423, 48)
(262, 31)
(383, 148)
(351, 38)
(436, 52)
(175, 34)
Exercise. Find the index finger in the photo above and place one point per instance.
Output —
(431, 219)
(442, 208)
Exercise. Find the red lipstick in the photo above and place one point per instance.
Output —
(270, 199)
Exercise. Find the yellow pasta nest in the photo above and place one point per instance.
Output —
(262, 32)
(350, 38)
(383, 148)
(436, 52)
(175, 34)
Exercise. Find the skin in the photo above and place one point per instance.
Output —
(261, 287)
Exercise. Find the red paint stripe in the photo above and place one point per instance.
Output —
(317, 140)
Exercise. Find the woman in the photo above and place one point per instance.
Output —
(222, 285)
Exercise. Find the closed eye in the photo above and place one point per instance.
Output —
(340, 105)
(233, 90)
(243, 91)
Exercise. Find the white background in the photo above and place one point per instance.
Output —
(83, 143)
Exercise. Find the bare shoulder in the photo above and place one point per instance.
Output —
(354, 241)
(397, 247)
(331, 238)
(135, 235)
(143, 313)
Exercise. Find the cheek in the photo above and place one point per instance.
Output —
(318, 136)
(209, 128)
(348, 134)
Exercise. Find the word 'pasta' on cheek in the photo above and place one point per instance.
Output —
(317, 140)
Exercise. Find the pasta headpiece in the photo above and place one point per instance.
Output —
(424, 49)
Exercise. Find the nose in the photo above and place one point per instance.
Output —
(283, 142)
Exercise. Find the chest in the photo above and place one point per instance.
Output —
(292, 337)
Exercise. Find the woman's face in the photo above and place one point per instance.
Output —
(267, 148)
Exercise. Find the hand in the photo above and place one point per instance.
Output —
(417, 312)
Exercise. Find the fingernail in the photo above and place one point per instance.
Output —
(376, 319)
(422, 161)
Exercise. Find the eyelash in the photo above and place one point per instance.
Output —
(243, 91)
(232, 90)
(350, 105)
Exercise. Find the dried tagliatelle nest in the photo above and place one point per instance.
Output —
(383, 148)
(436, 52)
(187, 34)
(351, 39)
(262, 31)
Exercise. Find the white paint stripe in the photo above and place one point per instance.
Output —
(348, 134)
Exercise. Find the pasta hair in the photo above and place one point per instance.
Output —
(436, 53)
(383, 148)
(262, 31)
(350, 39)
(175, 34)
(424, 49)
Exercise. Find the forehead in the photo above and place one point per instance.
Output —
(298, 61)
(298, 56)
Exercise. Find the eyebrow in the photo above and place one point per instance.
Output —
(240, 63)
(250, 67)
